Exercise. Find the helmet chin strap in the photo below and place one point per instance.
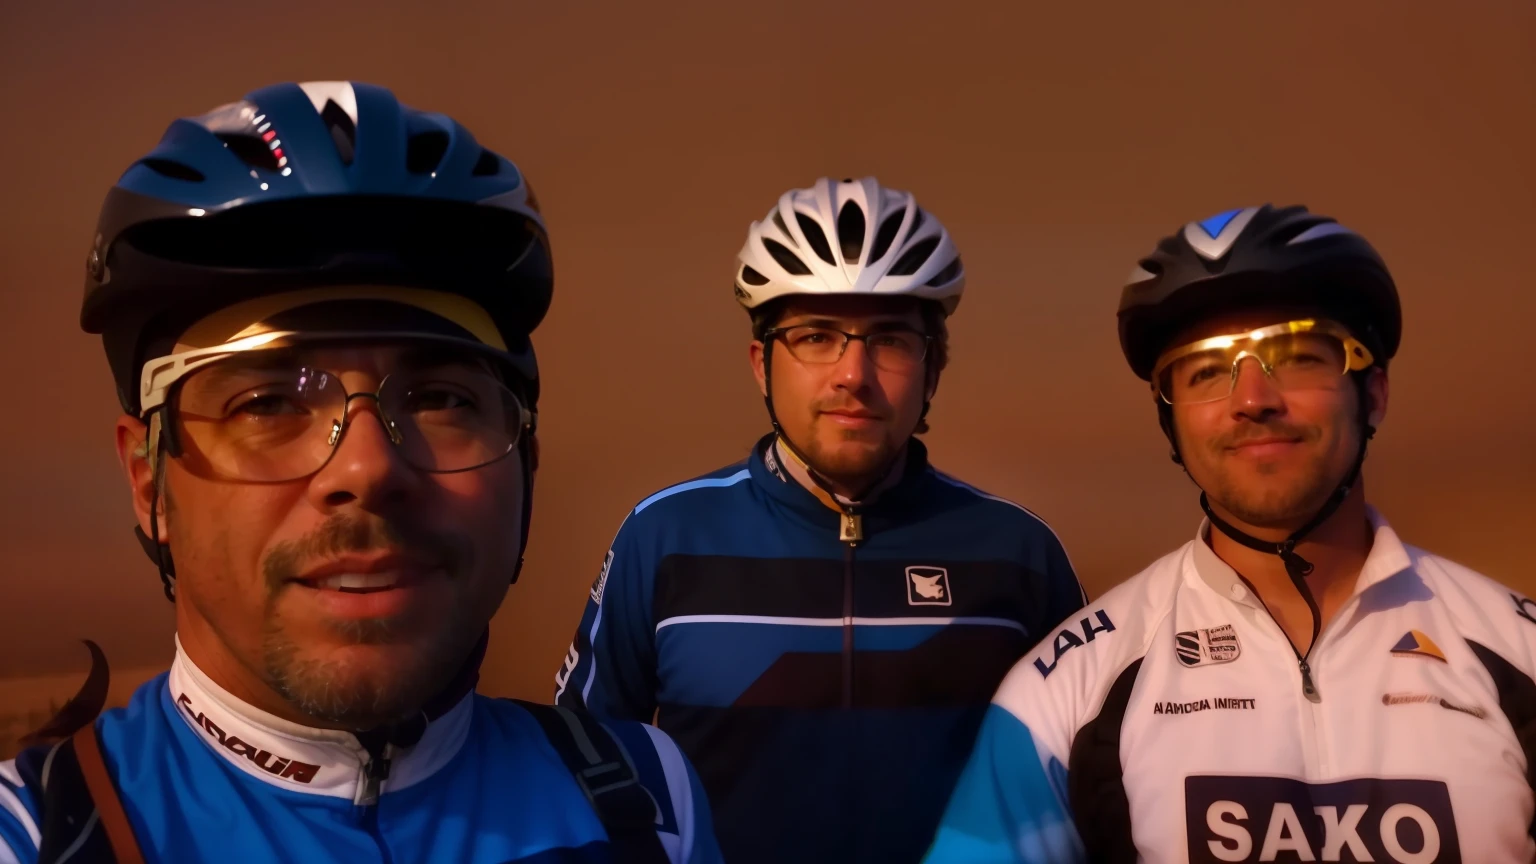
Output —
(783, 438)
(1295, 565)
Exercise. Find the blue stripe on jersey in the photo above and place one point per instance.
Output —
(1010, 804)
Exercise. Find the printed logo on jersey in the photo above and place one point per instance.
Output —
(602, 579)
(1280, 819)
(1219, 703)
(1207, 646)
(1068, 639)
(928, 586)
(277, 766)
(1430, 699)
(1416, 644)
(1524, 607)
(771, 462)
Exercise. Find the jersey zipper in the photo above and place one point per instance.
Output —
(851, 532)
(375, 772)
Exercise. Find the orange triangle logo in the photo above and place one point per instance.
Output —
(1415, 642)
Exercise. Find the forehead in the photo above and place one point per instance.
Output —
(851, 308)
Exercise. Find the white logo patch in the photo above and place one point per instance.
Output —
(1204, 647)
(928, 586)
(602, 579)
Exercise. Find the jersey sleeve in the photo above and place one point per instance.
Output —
(1012, 804)
(610, 668)
(690, 805)
(20, 818)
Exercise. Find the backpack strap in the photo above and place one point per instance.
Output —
(78, 798)
(608, 778)
(125, 846)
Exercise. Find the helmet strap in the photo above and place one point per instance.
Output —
(1295, 565)
(783, 438)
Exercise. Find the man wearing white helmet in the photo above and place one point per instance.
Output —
(820, 626)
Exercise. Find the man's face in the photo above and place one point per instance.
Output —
(353, 593)
(849, 417)
(1269, 457)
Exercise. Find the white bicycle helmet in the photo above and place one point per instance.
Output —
(853, 237)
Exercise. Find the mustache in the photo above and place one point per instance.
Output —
(343, 534)
(1256, 431)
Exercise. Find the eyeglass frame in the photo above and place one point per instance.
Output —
(162, 375)
(1357, 357)
(776, 332)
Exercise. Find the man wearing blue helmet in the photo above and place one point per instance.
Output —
(316, 303)
(1297, 684)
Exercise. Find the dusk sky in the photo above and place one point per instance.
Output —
(1057, 142)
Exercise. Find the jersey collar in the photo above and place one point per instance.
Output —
(1387, 558)
(299, 758)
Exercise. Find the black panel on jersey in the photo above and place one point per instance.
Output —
(1096, 784)
(1517, 699)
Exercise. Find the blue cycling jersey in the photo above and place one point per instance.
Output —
(205, 777)
(828, 690)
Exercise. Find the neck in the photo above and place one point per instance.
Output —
(842, 492)
(1337, 550)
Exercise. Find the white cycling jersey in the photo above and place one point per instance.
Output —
(1168, 722)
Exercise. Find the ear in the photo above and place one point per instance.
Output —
(931, 385)
(756, 357)
(1376, 392)
(134, 446)
(533, 453)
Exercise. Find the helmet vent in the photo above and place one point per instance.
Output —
(343, 132)
(752, 277)
(947, 275)
(251, 150)
(779, 221)
(850, 231)
(486, 166)
(915, 257)
(424, 150)
(174, 170)
(786, 258)
(816, 237)
(885, 235)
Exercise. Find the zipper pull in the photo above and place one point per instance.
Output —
(1308, 689)
(852, 528)
(374, 775)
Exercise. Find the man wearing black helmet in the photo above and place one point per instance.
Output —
(317, 304)
(1297, 684)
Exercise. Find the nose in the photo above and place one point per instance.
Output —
(1254, 394)
(366, 469)
(855, 368)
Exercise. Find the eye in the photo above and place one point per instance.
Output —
(437, 399)
(1207, 372)
(267, 405)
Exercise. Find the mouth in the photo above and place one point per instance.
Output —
(852, 417)
(1261, 447)
(366, 575)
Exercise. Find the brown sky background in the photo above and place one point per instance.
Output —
(1057, 141)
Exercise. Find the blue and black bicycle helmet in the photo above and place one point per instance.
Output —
(303, 185)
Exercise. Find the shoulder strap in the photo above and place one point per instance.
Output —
(109, 807)
(607, 777)
(76, 796)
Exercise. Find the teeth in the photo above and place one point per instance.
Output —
(358, 581)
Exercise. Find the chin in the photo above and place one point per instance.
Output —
(358, 684)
